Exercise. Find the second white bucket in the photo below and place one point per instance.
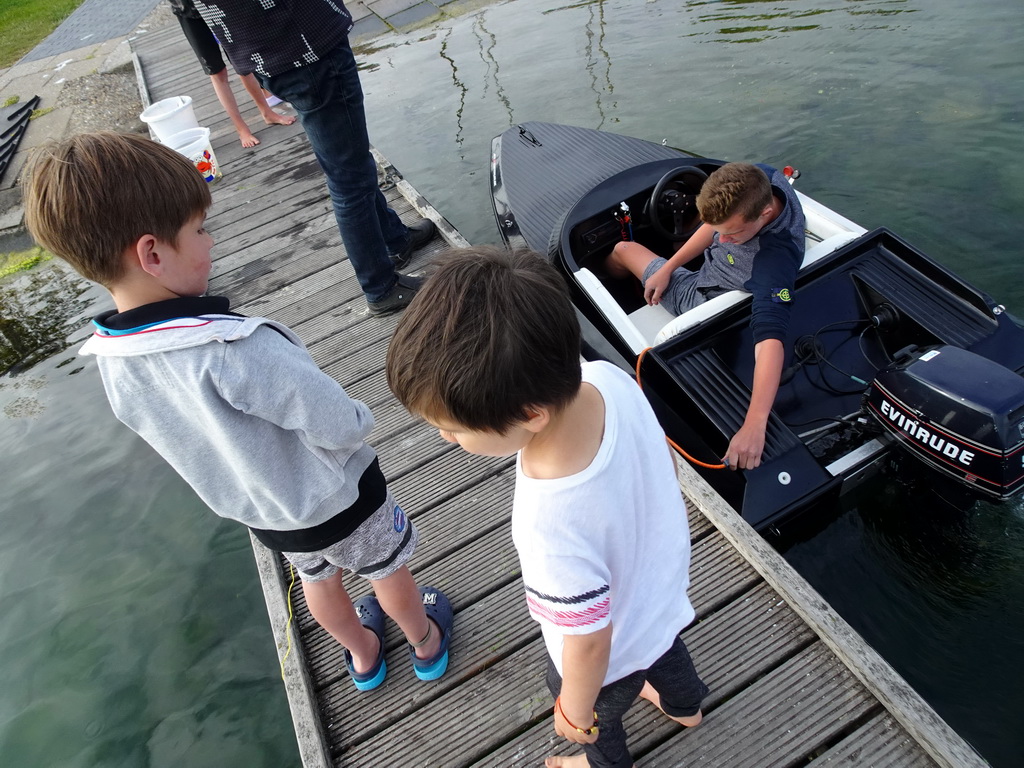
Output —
(170, 116)
(195, 145)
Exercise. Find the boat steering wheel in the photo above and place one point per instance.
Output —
(674, 200)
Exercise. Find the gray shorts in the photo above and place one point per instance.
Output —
(682, 293)
(381, 545)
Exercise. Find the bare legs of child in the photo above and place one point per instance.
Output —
(648, 692)
(652, 696)
(330, 605)
(226, 97)
(567, 761)
(258, 95)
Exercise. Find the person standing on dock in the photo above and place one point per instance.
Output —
(205, 47)
(234, 404)
(489, 353)
(299, 50)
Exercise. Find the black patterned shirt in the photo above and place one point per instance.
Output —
(273, 36)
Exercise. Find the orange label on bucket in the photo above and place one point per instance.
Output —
(206, 164)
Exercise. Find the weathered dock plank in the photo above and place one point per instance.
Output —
(804, 702)
(880, 741)
(790, 684)
(777, 634)
(924, 725)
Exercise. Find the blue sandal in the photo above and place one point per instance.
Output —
(439, 609)
(370, 616)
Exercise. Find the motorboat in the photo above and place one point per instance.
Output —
(890, 357)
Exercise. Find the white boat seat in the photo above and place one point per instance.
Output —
(650, 319)
(699, 314)
(611, 309)
(826, 246)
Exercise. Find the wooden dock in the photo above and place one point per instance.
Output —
(791, 683)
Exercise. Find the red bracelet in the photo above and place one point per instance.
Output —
(585, 731)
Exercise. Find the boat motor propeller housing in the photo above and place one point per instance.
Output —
(960, 413)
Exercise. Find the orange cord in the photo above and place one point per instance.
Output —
(686, 456)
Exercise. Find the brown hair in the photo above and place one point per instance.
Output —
(490, 333)
(90, 198)
(734, 188)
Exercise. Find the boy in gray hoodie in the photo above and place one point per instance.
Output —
(235, 404)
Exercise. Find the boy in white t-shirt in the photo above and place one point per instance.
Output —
(488, 352)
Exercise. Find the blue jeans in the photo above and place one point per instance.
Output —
(328, 98)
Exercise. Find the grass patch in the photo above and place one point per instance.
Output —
(25, 23)
(21, 261)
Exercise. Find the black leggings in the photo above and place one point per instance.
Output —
(672, 676)
(203, 43)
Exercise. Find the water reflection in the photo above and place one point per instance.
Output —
(38, 312)
(605, 62)
(753, 11)
(460, 87)
(596, 59)
(488, 42)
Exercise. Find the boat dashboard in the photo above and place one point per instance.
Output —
(626, 206)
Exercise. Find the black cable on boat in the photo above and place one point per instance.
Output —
(834, 419)
(821, 356)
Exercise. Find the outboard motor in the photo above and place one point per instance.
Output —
(960, 413)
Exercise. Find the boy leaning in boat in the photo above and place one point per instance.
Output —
(488, 352)
(752, 239)
(235, 404)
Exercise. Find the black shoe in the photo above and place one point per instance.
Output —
(398, 297)
(420, 233)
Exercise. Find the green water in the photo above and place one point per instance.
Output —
(134, 632)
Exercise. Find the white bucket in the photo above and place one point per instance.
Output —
(170, 116)
(195, 145)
